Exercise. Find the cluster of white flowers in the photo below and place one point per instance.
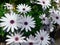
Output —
(41, 37)
(12, 22)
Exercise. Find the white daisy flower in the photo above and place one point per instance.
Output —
(23, 8)
(27, 22)
(9, 21)
(15, 38)
(8, 6)
(56, 17)
(45, 20)
(43, 37)
(45, 3)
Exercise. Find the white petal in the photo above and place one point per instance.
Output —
(5, 27)
(8, 29)
(9, 36)
(12, 29)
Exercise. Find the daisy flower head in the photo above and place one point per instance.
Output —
(15, 38)
(56, 17)
(23, 8)
(8, 6)
(9, 21)
(42, 37)
(27, 22)
(45, 20)
(45, 3)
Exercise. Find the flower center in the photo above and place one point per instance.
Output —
(43, 19)
(30, 43)
(8, 6)
(43, 2)
(53, 12)
(41, 38)
(12, 21)
(25, 23)
(23, 8)
(16, 39)
(57, 17)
